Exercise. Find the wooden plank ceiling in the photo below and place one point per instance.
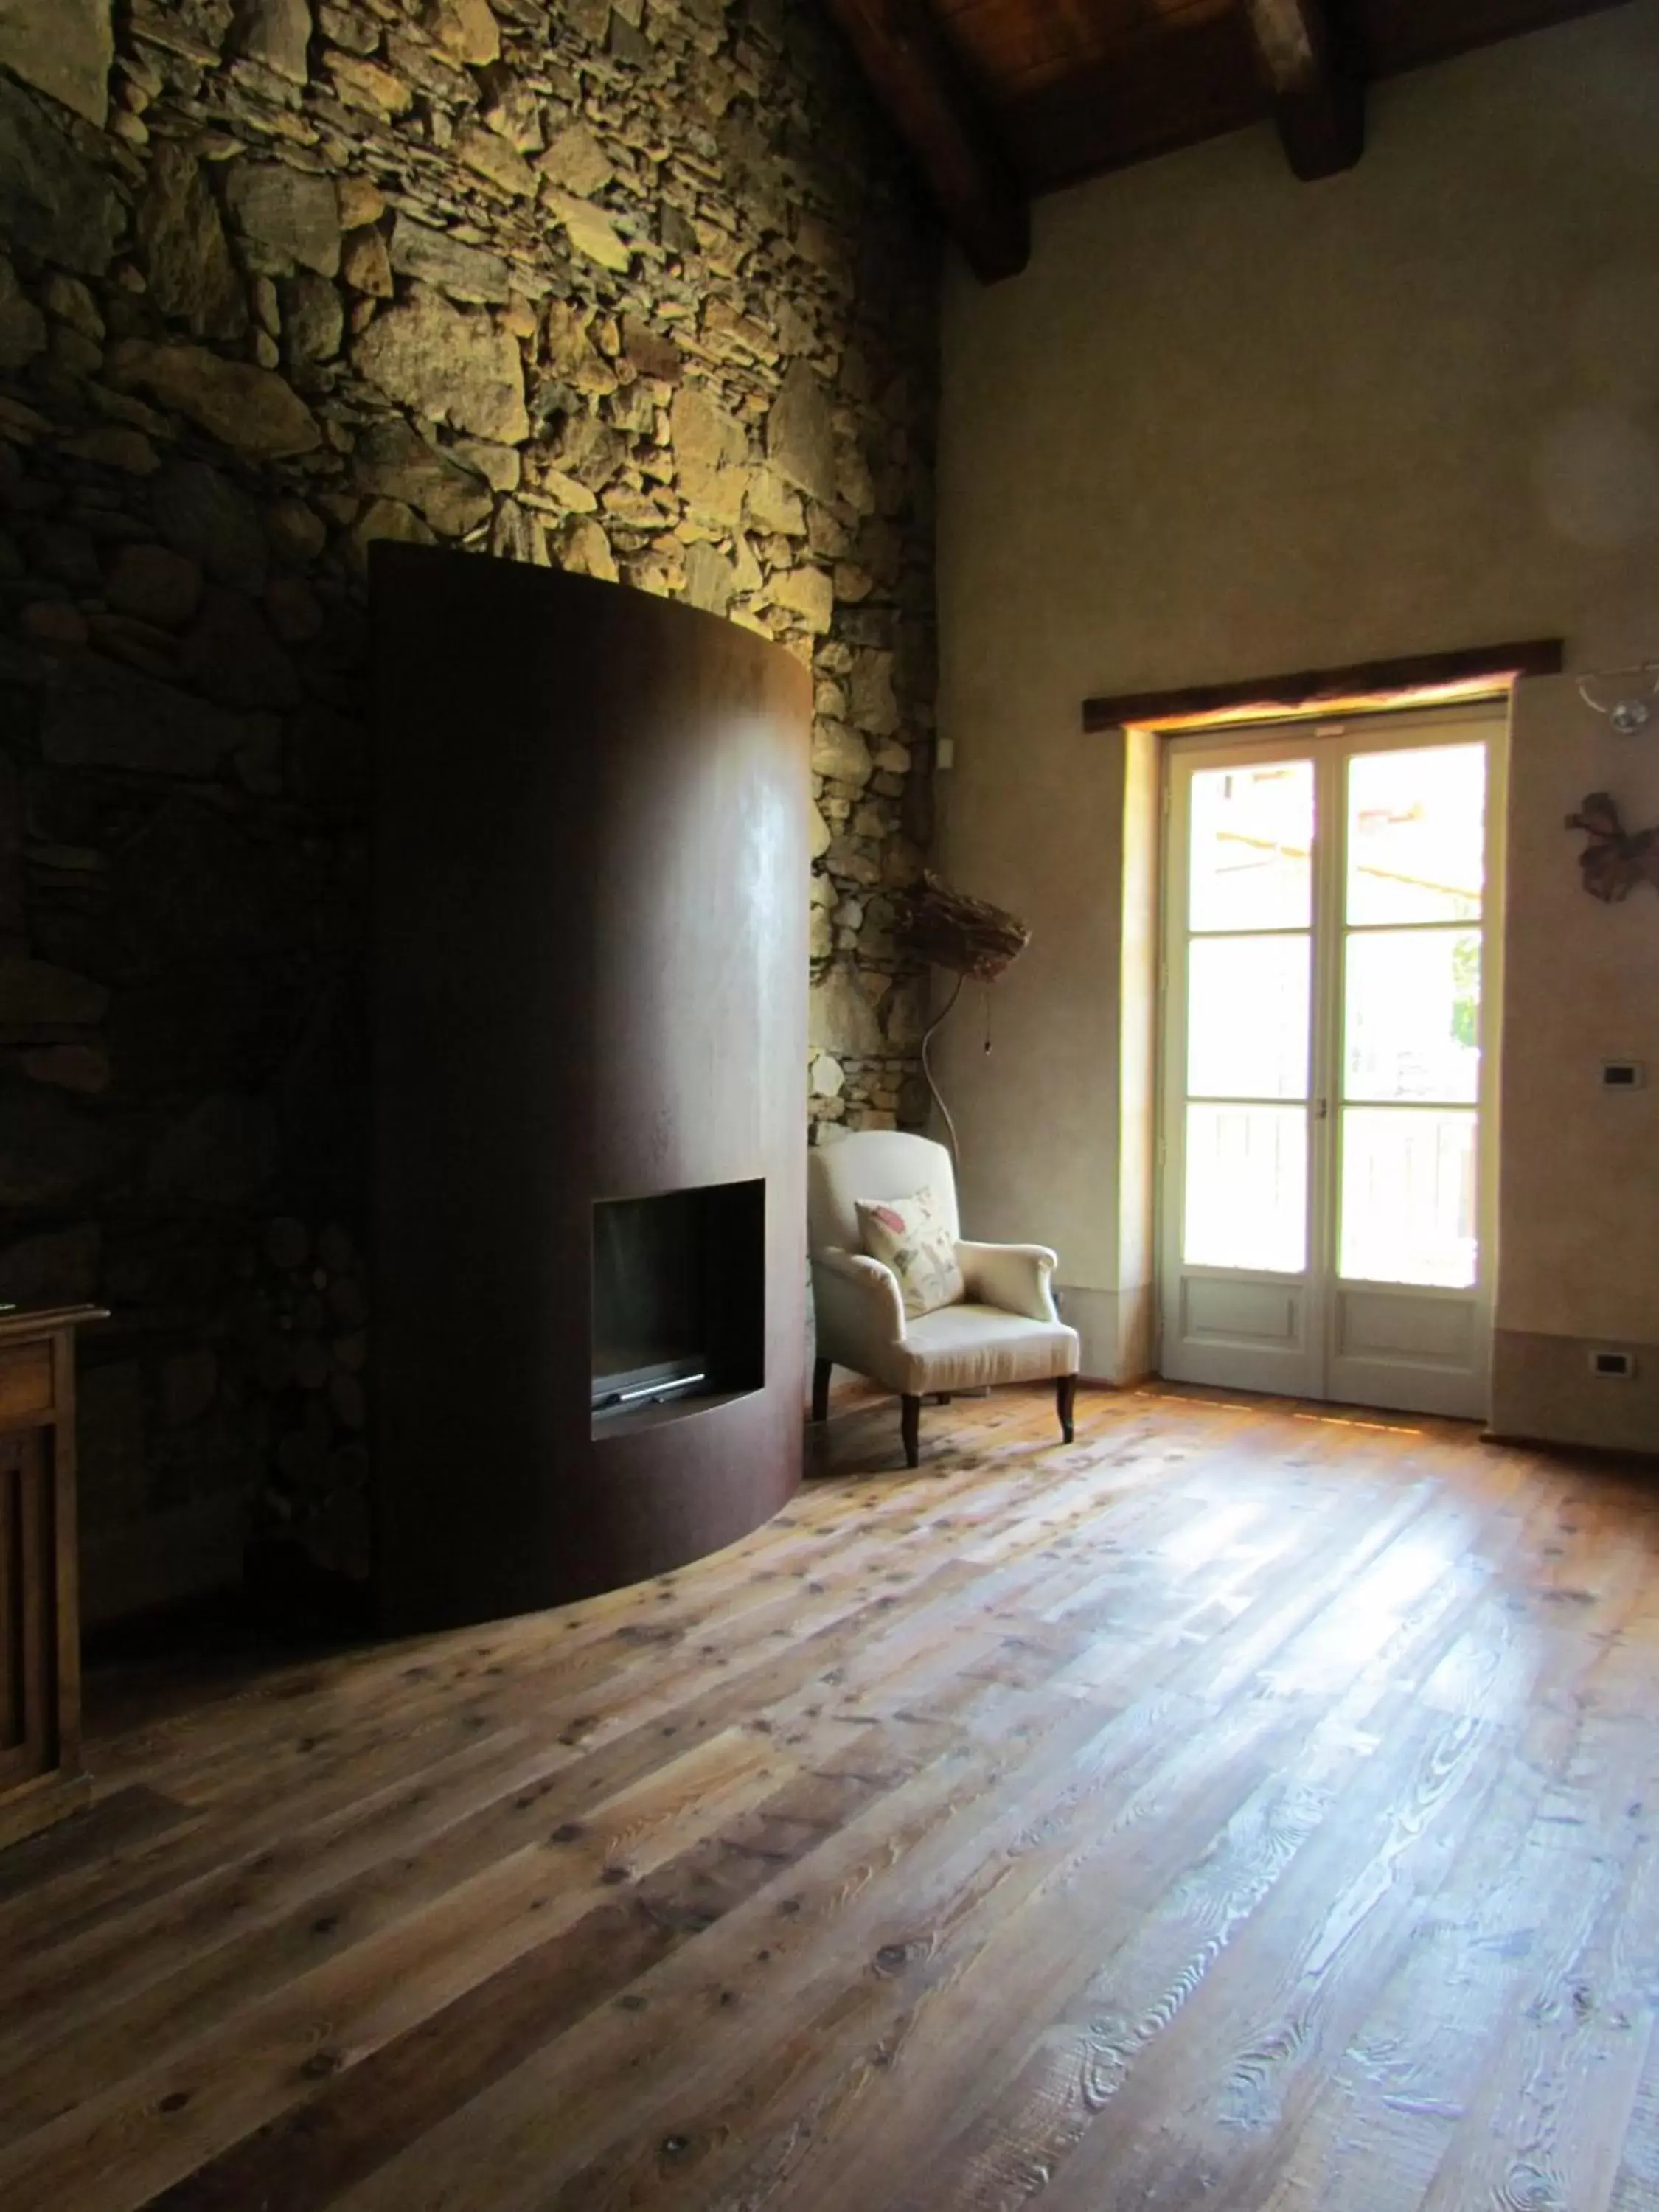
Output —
(1000, 99)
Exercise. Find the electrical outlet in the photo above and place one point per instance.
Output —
(1617, 1365)
(1623, 1075)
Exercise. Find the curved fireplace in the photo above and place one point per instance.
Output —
(589, 985)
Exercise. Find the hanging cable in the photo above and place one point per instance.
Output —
(927, 1069)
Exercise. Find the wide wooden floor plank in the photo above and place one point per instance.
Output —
(1250, 1805)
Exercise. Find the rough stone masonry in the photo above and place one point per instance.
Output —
(638, 290)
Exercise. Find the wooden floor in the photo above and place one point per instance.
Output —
(1241, 1809)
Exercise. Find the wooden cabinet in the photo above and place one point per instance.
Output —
(41, 1778)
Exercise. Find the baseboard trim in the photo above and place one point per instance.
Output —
(1544, 1387)
(1607, 1455)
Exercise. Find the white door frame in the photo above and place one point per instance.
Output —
(1305, 1336)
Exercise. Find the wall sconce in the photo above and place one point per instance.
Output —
(1630, 714)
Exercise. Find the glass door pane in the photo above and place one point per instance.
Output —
(1251, 847)
(1412, 1004)
(1249, 970)
(1247, 1188)
(1247, 1016)
(1411, 1016)
(1408, 1197)
(1417, 835)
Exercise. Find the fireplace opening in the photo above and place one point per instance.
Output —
(679, 1296)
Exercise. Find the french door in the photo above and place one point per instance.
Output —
(1330, 991)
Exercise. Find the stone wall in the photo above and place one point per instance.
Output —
(640, 290)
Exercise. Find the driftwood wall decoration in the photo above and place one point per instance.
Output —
(1615, 859)
(965, 936)
(969, 936)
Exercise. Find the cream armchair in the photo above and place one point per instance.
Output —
(1006, 1329)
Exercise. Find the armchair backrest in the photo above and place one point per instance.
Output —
(872, 1163)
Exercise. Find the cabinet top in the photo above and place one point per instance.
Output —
(41, 1321)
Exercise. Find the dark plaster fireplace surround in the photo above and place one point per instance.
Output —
(589, 984)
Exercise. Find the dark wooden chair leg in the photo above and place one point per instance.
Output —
(910, 1430)
(821, 1389)
(1065, 1399)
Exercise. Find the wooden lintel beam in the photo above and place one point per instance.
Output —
(1308, 687)
(916, 78)
(1318, 102)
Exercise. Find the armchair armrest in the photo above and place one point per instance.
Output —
(1014, 1277)
(859, 1308)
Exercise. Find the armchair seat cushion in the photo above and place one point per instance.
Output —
(963, 1348)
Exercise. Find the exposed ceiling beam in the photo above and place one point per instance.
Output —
(1318, 102)
(916, 78)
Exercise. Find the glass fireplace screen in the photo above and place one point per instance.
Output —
(679, 1295)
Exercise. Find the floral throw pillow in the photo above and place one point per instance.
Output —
(911, 1237)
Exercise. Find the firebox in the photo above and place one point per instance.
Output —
(679, 1296)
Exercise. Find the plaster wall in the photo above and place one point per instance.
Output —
(1225, 425)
